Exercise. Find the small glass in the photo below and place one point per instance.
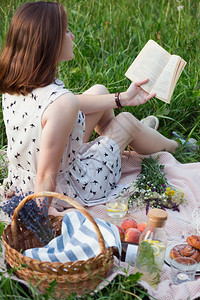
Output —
(117, 207)
(183, 269)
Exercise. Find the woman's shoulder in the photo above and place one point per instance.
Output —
(61, 101)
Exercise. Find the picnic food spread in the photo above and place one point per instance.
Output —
(192, 249)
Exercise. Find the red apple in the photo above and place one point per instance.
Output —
(129, 223)
(121, 232)
(142, 226)
(132, 235)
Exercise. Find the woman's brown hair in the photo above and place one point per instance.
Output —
(32, 47)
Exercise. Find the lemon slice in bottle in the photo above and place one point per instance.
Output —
(156, 250)
(156, 244)
(159, 244)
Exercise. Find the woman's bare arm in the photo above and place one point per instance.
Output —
(134, 95)
(57, 122)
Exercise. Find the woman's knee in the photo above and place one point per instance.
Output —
(97, 89)
(123, 129)
(128, 120)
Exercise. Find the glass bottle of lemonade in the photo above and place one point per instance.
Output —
(152, 247)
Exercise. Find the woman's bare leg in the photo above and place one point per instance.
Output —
(125, 129)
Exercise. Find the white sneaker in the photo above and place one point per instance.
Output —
(151, 121)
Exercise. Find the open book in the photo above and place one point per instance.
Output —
(162, 69)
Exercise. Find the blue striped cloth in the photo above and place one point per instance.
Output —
(78, 240)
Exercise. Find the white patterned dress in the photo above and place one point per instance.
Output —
(86, 172)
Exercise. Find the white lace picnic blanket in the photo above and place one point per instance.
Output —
(179, 224)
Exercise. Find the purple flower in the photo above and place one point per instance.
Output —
(147, 206)
(32, 216)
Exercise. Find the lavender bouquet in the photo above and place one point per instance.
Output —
(32, 216)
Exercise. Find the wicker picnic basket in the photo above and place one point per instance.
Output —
(71, 277)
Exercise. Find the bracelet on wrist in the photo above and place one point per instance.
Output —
(117, 101)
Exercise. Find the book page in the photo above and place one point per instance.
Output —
(165, 82)
(179, 70)
(148, 64)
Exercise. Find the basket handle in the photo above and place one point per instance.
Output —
(72, 202)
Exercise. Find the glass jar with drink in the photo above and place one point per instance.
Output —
(152, 248)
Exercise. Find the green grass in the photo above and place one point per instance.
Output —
(120, 288)
(108, 36)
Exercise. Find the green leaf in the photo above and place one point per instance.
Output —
(134, 277)
(2, 227)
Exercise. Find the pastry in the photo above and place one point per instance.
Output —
(183, 251)
(194, 241)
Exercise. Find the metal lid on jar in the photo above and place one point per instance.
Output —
(157, 217)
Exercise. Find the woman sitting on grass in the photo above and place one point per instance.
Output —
(48, 127)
